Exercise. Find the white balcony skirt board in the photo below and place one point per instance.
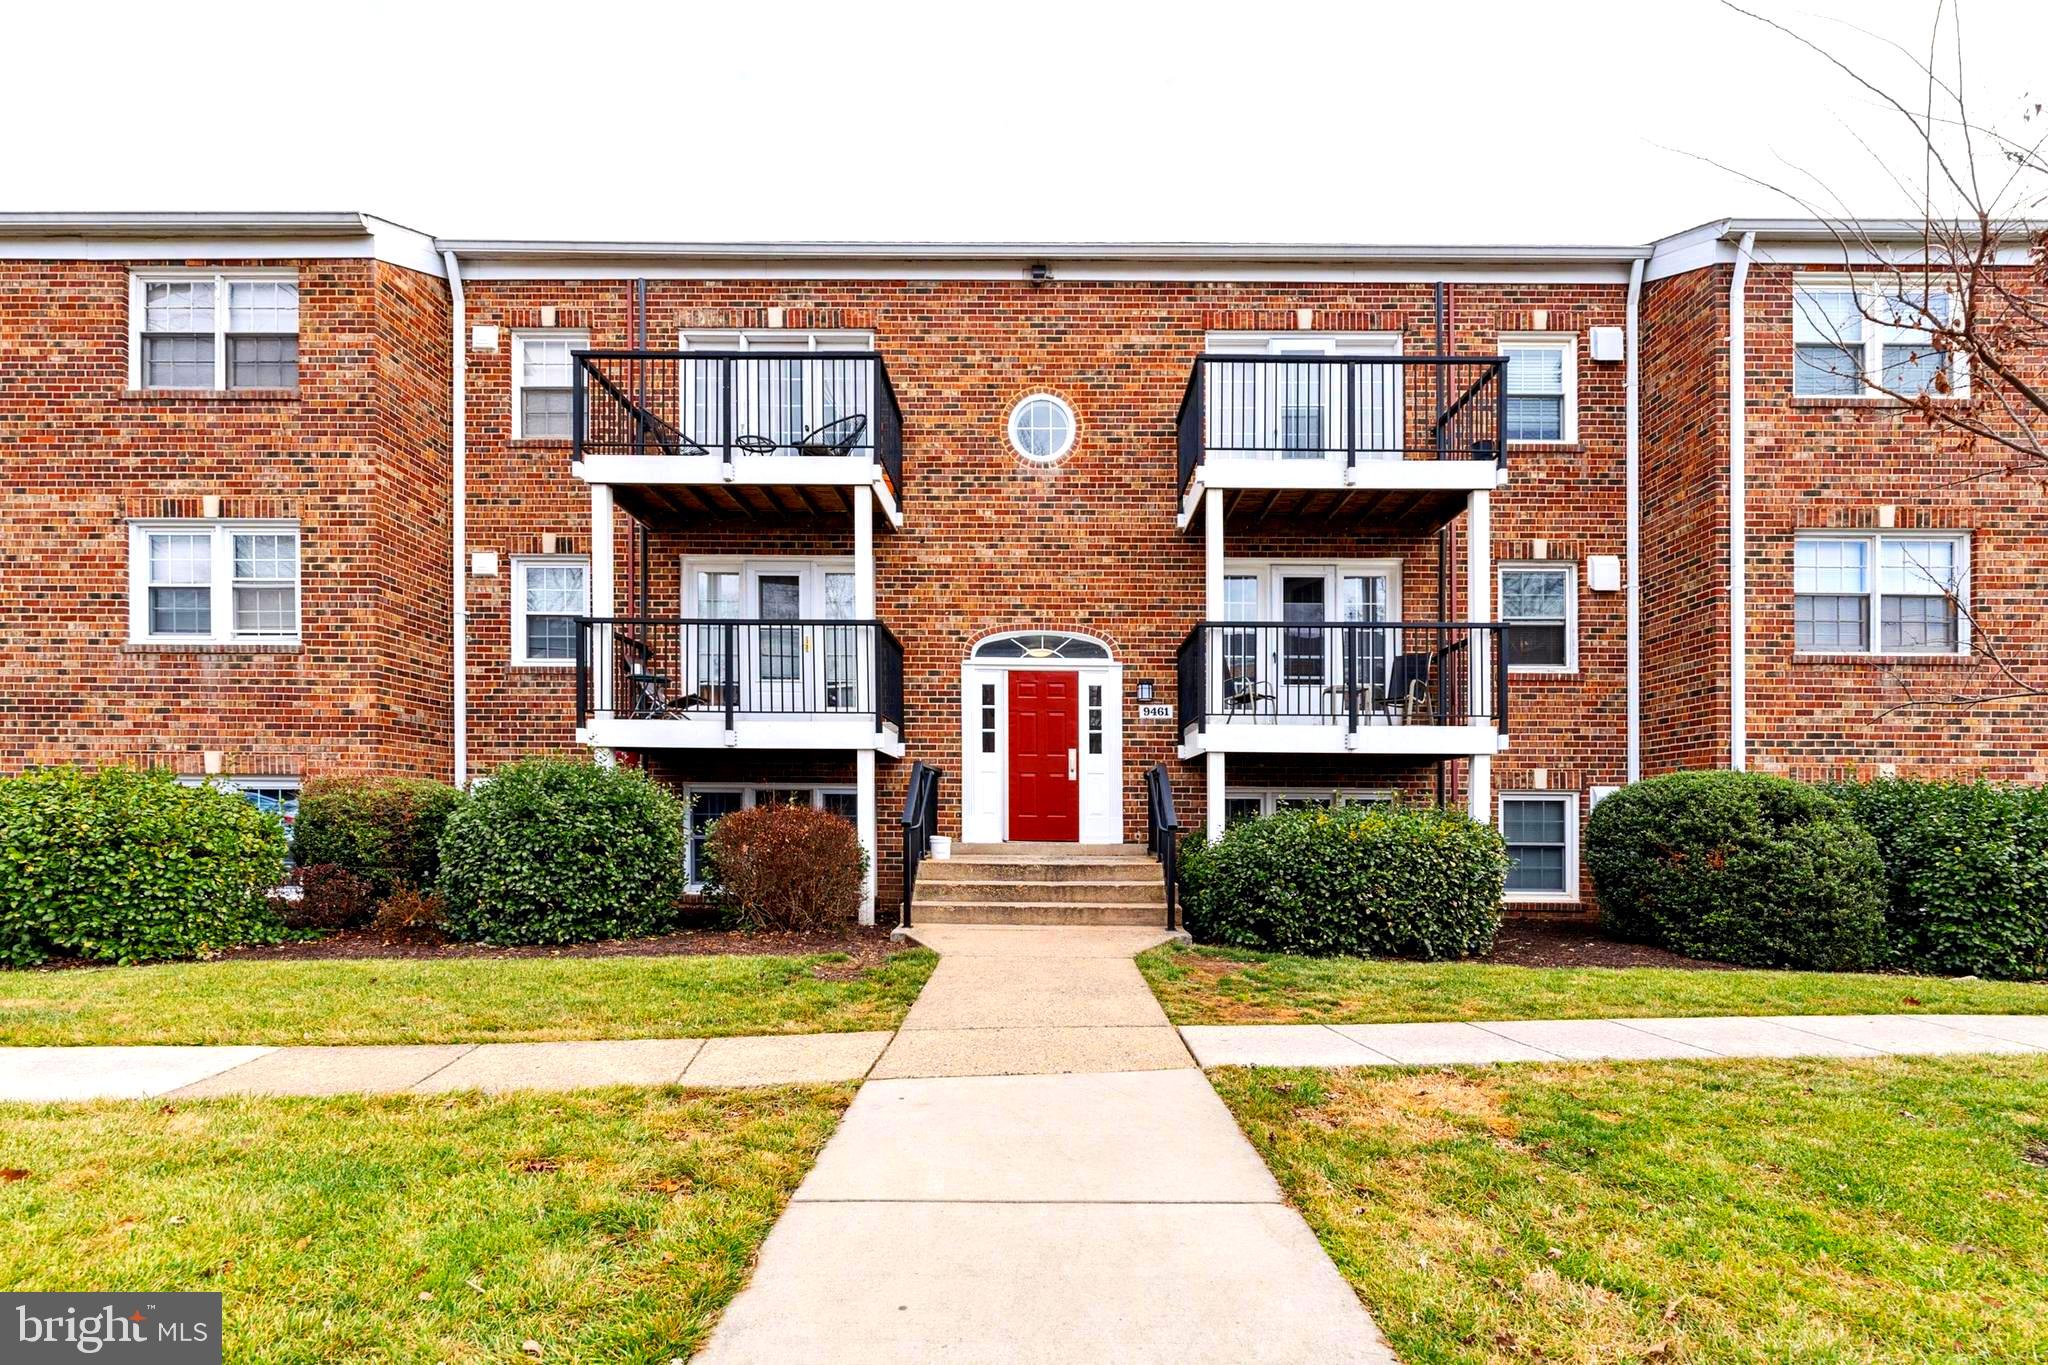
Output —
(707, 731)
(843, 471)
(1393, 476)
(1370, 741)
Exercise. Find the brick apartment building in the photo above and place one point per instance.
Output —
(293, 495)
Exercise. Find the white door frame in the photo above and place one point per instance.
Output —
(985, 777)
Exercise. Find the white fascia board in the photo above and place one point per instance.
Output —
(674, 268)
(773, 471)
(1370, 741)
(1813, 241)
(1367, 476)
(707, 731)
(215, 236)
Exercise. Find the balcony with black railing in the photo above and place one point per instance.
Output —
(1394, 688)
(760, 434)
(1346, 438)
(653, 682)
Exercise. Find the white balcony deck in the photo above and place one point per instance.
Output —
(708, 731)
(1368, 740)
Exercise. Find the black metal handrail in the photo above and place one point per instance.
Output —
(1347, 409)
(920, 824)
(655, 668)
(732, 403)
(1354, 673)
(1162, 836)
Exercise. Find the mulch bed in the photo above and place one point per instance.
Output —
(1537, 943)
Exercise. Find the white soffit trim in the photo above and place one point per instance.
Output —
(1065, 261)
(1812, 241)
(208, 236)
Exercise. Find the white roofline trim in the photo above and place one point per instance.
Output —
(1023, 253)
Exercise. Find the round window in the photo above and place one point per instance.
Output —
(1042, 428)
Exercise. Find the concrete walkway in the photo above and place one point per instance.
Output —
(92, 1073)
(1040, 1174)
(1597, 1040)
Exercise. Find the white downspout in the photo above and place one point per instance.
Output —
(458, 522)
(1635, 526)
(1738, 518)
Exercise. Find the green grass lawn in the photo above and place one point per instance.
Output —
(451, 1000)
(603, 1225)
(1236, 986)
(1889, 1209)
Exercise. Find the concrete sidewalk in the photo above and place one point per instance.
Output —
(91, 1073)
(1044, 1177)
(1599, 1040)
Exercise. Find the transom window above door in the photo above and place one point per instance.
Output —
(1041, 645)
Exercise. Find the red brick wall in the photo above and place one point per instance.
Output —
(357, 457)
(992, 543)
(1832, 464)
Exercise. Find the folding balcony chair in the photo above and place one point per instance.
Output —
(837, 437)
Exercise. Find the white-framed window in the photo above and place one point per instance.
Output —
(1249, 803)
(1541, 830)
(1855, 338)
(1540, 603)
(213, 582)
(708, 803)
(1042, 428)
(548, 593)
(542, 373)
(277, 795)
(1892, 592)
(1543, 386)
(781, 400)
(192, 329)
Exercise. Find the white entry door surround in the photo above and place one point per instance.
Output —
(985, 740)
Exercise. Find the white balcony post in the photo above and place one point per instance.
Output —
(864, 555)
(864, 821)
(603, 545)
(1212, 568)
(1479, 594)
(1216, 788)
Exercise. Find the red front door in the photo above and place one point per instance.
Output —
(1045, 785)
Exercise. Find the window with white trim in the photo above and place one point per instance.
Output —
(548, 593)
(1849, 339)
(1042, 428)
(277, 796)
(1250, 803)
(213, 582)
(541, 383)
(201, 330)
(1542, 385)
(1539, 603)
(1914, 586)
(709, 804)
(1542, 837)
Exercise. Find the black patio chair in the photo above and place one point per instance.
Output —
(837, 437)
(1407, 695)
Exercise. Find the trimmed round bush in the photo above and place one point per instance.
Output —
(1966, 869)
(385, 830)
(1738, 867)
(1368, 880)
(128, 865)
(552, 850)
(784, 866)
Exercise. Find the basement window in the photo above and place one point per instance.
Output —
(201, 330)
(709, 804)
(1541, 831)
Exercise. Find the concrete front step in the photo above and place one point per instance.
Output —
(1043, 850)
(980, 868)
(1036, 912)
(1125, 892)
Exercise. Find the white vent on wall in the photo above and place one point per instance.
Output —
(1604, 343)
(1603, 573)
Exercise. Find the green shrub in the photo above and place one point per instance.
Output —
(784, 866)
(385, 830)
(1364, 880)
(562, 851)
(125, 865)
(1966, 864)
(1738, 867)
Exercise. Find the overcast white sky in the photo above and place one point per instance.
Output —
(1454, 121)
